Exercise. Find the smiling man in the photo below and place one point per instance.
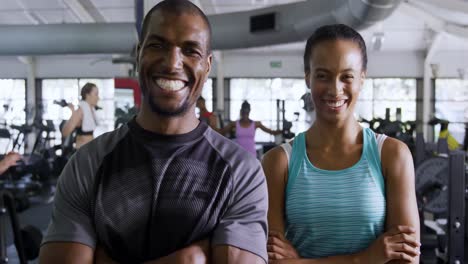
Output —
(165, 188)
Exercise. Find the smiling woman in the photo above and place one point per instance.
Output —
(340, 193)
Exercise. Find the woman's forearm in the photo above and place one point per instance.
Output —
(348, 259)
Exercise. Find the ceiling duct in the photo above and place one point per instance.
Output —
(273, 25)
(52, 39)
(295, 22)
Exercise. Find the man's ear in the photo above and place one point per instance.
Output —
(209, 63)
(137, 57)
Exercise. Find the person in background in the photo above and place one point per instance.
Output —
(84, 118)
(8, 161)
(245, 128)
(206, 116)
(340, 193)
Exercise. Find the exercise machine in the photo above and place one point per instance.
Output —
(27, 240)
(441, 193)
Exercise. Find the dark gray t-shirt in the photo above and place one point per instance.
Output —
(142, 195)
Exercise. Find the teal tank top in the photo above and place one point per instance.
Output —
(331, 213)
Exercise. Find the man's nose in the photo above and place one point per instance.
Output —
(174, 60)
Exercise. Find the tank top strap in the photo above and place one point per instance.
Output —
(373, 157)
(296, 159)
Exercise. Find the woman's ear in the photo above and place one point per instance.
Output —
(307, 79)
(363, 77)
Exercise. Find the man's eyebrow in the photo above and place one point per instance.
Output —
(192, 44)
(322, 69)
(189, 43)
(156, 37)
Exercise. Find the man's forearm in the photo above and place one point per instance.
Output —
(231, 254)
(197, 253)
(165, 260)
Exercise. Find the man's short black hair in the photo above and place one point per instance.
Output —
(334, 32)
(177, 7)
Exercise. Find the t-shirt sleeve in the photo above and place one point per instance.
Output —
(71, 214)
(244, 224)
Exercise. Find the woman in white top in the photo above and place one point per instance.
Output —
(83, 119)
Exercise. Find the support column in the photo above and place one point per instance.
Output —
(31, 106)
(419, 105)
(427, 87)
(139, 15)
(218, 58)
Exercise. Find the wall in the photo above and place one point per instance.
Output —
(85, 66)
(11, 67)
(450, 61)
(381, 64)
(385, 64)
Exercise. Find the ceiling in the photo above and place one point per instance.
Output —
(410, 28)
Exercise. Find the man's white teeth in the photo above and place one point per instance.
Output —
(336, 103)
(171, 85)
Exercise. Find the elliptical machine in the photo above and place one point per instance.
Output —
(27, 240)
(31, 175)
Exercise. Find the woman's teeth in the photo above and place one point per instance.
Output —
(171, 85)
(336, 104)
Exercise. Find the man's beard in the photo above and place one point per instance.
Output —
(155, 108)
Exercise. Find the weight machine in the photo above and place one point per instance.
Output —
(442, 192)
(27, 240)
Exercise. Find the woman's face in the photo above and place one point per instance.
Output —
(93, 97)
(335, 78)
(244, 114)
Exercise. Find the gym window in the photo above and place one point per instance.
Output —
(69, 89)
(377, 94)
(12, 110)
(207, 93)
(451, 101)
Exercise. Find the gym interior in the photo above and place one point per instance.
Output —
(415, 90)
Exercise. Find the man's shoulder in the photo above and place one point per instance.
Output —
(87, 160)
(103, 144)
(231, 152)
(224, 145)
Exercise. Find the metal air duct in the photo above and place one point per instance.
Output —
(268, 26)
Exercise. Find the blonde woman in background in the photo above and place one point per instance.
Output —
(84, 118)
